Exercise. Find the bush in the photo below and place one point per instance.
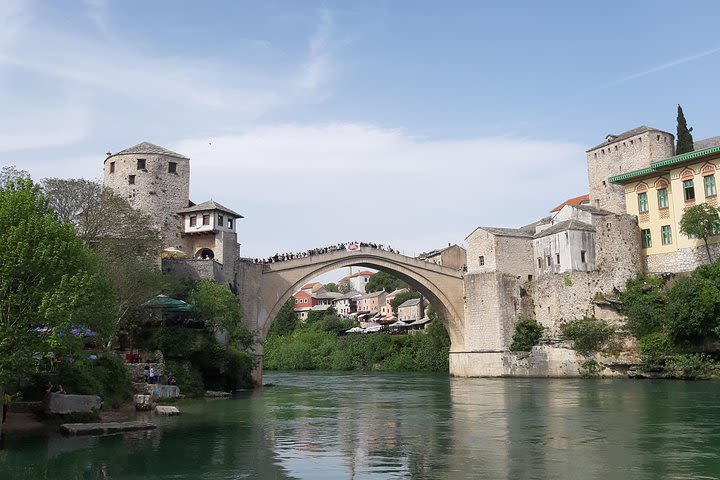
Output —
(105, 377)
(588, 334)
(527, 334)
(188, 379)
(643, 303)
(589, 368)
(692, 367)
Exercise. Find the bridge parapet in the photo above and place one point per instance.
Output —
(363, 252)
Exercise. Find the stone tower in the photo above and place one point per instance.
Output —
(633, 150)
(155, 181)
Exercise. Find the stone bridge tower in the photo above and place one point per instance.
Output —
(155, 181)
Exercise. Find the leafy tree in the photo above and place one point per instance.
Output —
(527, 334)
(285, 321)
(124, 239)
(643, 303)
(331, 287)
(588, 334)
(684, 137)
(344, 287)
(384, 281)
(693, 311)
(701, 221)
(401, 298)
(47, 278)
(11, 174)
(218, 307)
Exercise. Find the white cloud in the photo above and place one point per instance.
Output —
(341, 182)
(317, 68)
(665, 66)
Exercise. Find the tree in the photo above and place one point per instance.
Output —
(125, 240)
(331, 287)
(344, 287)
(47, 278)
(384, 281)
(643, 303)
(401, 298)
(285, 321)
(684, 137)
(701, 221)
(215, 304)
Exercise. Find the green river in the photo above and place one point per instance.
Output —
(319, 425)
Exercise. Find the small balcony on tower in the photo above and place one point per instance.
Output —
(208, 217)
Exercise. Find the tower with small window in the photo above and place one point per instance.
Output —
(629, 151)
(155, 181)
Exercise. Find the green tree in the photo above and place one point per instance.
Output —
(401, 298)
(693, 311)
(644, 302)
(684, 137)
(47, 278)
(384, 281)
(331, 287)
(344, 287)
(285, 321)
(527, 334)
(215, 304)
(701, 221)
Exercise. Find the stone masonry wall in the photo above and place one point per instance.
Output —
(192, 268)
(618, 248)
(492, 301)
(156, 192)
(620, 157)
(682, 260)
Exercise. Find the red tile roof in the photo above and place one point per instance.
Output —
(573, 201)
(314, 286)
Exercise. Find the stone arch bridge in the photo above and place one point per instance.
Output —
(263, 289)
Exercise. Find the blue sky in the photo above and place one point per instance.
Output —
(407, 123)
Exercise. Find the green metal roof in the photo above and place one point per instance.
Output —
(684, 157)
(634, 174)
(166, 303)
(656, 167)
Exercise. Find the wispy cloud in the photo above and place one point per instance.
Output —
(665, 66)
(316, 69)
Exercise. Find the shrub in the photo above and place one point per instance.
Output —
(527, 334)
(105, 377)
(643, 303)
(692, 367)
(188, 379)
(588, 334)
(589, 368)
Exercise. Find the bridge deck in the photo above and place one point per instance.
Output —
(363, 255)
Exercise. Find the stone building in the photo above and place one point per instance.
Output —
(453, 256)
(619, 154)
(411, 310)
(370, 303)
(156, 181)
(567, 243)
(503, 250)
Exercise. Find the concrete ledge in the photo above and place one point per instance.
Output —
(60, 403)
(73, 429)
(166, 410)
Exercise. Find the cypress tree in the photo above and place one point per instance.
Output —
(684, 137)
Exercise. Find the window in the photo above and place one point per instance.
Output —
(710, 190)
(548, 260)
(582, 256)
(481, 260)
(172, 167)
(141, 164)
(220, 220)
(689, 189)
(646, 240)
(230, 223)
(557, 258)
(193, 220)
(206, 219)
(642, 202)
(666, 235)
(112, 167)
(539, 262)
(662, 198)
(131, 179)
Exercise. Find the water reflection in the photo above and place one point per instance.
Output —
(328, 425)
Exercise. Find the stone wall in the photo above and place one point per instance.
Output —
(681, 260)
(155, 192)
(623, 156)
(193, 268)
(505, 254)
(618, 248)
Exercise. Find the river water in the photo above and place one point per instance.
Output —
(379, 426)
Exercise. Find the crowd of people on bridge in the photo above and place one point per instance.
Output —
(350, 246)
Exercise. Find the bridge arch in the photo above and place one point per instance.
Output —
(442, 286)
